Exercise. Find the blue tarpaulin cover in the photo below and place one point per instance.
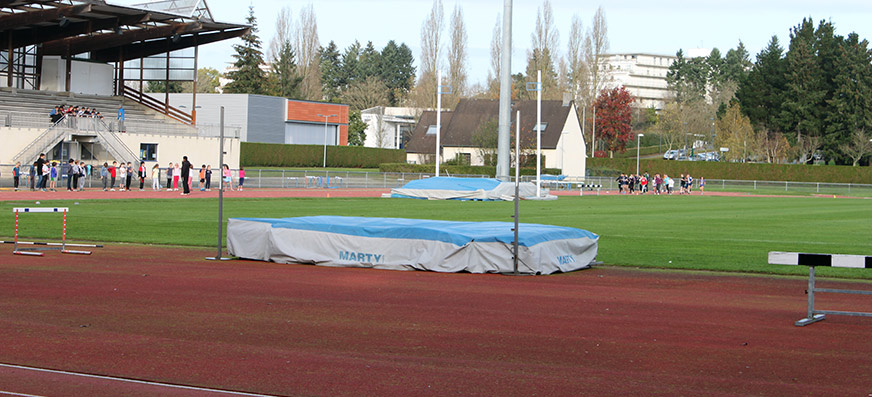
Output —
(406, 244)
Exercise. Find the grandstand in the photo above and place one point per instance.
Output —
(93, 54)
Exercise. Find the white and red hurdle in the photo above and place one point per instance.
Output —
(45, 246)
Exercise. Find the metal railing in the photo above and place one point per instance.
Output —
(728, 185)
(326, 179)
(46, 140)
(112, 144)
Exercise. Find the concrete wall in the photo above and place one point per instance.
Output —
(87, 77)
(200, 150)
(15, 139)
(266, 119)
(171, 148)
(236, 113)
(571, 153)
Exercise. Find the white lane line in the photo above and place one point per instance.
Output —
(9, 393)
(141, 382)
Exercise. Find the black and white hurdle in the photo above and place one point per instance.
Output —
(590, 187)
(815, 260)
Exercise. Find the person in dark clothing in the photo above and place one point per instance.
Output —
(39, 163)
(129, 176)
(186, 173)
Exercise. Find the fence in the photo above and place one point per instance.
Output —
(735, 186)
(289, 179)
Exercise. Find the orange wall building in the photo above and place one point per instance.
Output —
(305, 122)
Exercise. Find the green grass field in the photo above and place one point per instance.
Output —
(679, 232)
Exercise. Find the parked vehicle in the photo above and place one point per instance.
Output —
(670, 155)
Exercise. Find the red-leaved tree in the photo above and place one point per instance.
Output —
(613, 119)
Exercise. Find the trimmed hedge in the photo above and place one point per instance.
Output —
(457, 169)
(734, 171)
(281, 155)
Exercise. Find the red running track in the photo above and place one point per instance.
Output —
(166, 315)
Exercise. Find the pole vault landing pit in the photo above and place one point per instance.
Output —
(411, 244)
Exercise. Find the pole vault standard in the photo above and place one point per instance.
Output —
(221, 192)
(62, 246)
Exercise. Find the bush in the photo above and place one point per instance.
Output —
(457, 169)
(281, 155)
(734, 171)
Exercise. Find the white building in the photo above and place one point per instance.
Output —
(389, 127)
(643, 75)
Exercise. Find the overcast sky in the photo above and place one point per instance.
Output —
(660, 27)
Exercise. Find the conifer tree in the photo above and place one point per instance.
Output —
(248, 78)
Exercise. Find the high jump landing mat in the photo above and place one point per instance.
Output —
(411, 244)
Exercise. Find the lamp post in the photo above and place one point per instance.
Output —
(638, 144)
(325, 116)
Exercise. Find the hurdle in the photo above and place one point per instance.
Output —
(62, 246)
(815, 260)
(589, 187)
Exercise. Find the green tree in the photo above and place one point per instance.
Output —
(397, 71)
(356, 129)
(761, 93)
(284, 79)
(331, 72)
(737, 64)
(351, 64)
(805, 85)
(248, 77)
(369, 62)
(851, 102)
(485, 139)
(687, 78)
(161, 87)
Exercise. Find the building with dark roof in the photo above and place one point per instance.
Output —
(467, 131)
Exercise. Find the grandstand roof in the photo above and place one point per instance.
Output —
(111, 33)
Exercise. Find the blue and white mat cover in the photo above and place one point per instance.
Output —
(411, 244)
(455, 188)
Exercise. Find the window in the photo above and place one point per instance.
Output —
(431, 130)
(542, 126)
(148, 151)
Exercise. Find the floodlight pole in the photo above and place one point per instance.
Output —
(638, 143)
(325, 136)
(505, 115)
(218, 257)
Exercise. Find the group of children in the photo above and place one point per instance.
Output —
(640, 184)
(174, 173)
(44, 175)
(58, 112)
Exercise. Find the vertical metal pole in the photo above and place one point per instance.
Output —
(15, 247)
(505, 115)
(221, 187)
(438, 116)
(593, 131)
(638, 143)
(538, 131)
(810, 292)
(64, 235)
(517, 184)
(324, 165)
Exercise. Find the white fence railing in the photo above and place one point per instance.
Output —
(727, 185)
(290, 179)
